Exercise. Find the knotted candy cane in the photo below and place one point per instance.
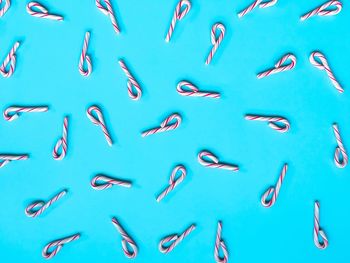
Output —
(255, 4)
(267, 200)
(5, 7)
(99, 121)
(181, 10)
(214, 162)
(340, 155)
(131, 83)
(277, 123)
(317, 229)
(279, 66)
(101, 182)
(128, 244)
(7, 158)
(10, 59)
(13, 112)
(38, 10)
(174, 240)
(173, 182)
(219, 243)
(323, 65)
(165, 126)
(84, 57)
(215, 40)
(37, 208)
(60, 149)
(108, 11)
(192, 90)
(57, 245)
(324, 10)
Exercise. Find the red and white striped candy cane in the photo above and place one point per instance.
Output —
(181, 10)
(255, 4)
(192, 90)
(267, 200)
(324, 10)
(128, 244)
(219, 243)
(317, 229)
(101, 182)
(10, 59)
(277, 123)
(214, 162)
(84, 57)
(57, 245)
(279, 66)
(37, 208)
(38, 10)
(99, 121)
(7, 158)
(340, 155)
(108, 11)
(173, 181)
(131, 83)
(5, 7)
(13, 112)
(165, 126)
(323, 65)
(60, 149)
(215, 40)
(174, 240)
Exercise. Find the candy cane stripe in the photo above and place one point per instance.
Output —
(85, 58)
(340, 155)
(279, 66)
(318, 232)
(168, 243)
(324, 10)
(101, 182)
(57, 245)
(10, 61)
(165, 125)
(132, 83)
(128, 244)
(215, 40)
(220, 244)
(98, 120)
(173, 181)
(255, 4)
(279, 124)
(213, 162)
(5, 7)
(181, 10)
(7, 158)
(13, 112)
(60, 149)
(186, 88)
(108, 11)
(41, 12)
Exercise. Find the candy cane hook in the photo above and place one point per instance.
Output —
(181, 10)
(219, 243)
(7, 158)
(84, 57)
(173, 181)
(13, 112)
(108, 11)
(186, 88)
(277, 123)
(279, 66)
(317, 229)
(174, 240)
(323, 65)
(324, 10)
(267, 200)
(340, 155)
(41, 12)
(99, 121)
(10, 59)
(57, 246)
(37, 208)
(215, 40)
(213, 162)
(132, 83)
(60, 149)
(255, 4)
(165, 126)
(5, 7)
(128, 244)
(101, 182)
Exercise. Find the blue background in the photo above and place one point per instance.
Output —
(47, 74)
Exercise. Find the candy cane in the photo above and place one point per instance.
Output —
(317, 230)
(215, 40)
(165, 126)
(37, 208)
(10, 59)
(84, 57)
(5, 7)
(13, 112)
(279, 66)
(173, 182)
(178, 15)
(62, 144)
(7, 158)
(274, 190)
(99, 121)
(219, 243)
(128, 244)
(101, 182)
(214, 161)
(279, 124)
(324, 66)
(41, 12)
(340, 155)
(256, 3)
(192, 90)
(174, 240)
(324, 10)
(131, 83)
(108, 11)
(57, 246)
